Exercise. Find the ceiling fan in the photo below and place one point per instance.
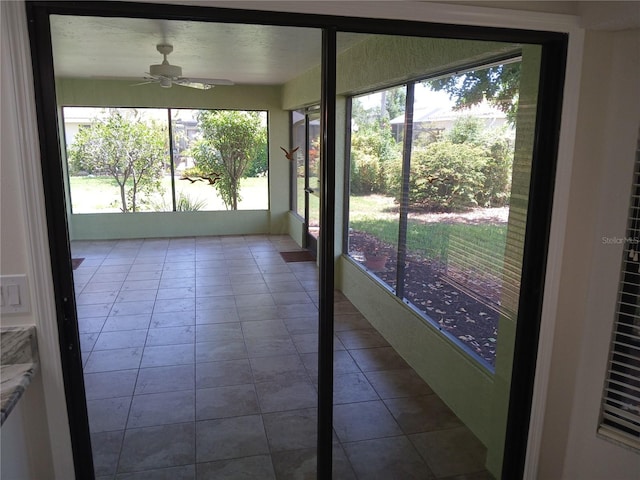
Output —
(167, 75)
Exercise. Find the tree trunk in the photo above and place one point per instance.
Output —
(123, 198)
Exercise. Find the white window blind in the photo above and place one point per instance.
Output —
(620, 414)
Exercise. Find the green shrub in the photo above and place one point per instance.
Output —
(444, 177)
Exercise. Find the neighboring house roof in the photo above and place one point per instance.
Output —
(443, 114)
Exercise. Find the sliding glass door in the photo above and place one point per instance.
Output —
(441, 150)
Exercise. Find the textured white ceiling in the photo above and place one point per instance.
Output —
(95, 47)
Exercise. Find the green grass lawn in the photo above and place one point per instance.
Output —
(378, 215)
(102, 195)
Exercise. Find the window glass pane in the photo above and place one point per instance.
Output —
(222, 160)
(375, 178)
(458, 199)
(298, 132)
(117, 158)
(313, 142)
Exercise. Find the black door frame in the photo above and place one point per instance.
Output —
(553, 63)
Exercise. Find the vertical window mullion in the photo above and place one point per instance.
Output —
(404, 202)
(171, 162)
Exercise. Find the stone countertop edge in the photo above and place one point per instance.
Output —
(18, 365)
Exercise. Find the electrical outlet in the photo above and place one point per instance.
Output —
(14, 293)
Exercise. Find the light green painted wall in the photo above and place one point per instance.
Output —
(382, 60)
(81, 92)
(167, 224)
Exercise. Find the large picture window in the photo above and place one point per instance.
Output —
(431, 167)
(160, 160)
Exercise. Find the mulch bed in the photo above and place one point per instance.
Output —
(470, 319)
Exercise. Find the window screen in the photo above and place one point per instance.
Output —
(620, 415)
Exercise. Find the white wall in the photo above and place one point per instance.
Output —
(41, 420)
(609, 119)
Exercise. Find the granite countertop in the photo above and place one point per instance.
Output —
(18, 365)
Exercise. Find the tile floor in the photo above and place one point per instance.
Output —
(200, 363)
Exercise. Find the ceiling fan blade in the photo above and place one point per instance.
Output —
(208, 81)
(198, 85)
(143, 83)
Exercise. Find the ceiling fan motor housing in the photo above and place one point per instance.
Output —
(165, 70)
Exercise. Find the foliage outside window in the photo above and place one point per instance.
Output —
(119, 160)
(445, 220)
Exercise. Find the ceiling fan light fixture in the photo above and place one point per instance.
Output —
(165, 82)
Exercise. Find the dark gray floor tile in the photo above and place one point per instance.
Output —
(132, 308)
(255, 300)
(105, 447)
(220, 350)
(302, 324)
(178, 292)
(291, 298)
(91, 325)
(342, 363)
(250, 288)
(127, 322)
(173, 319)
(229, 401)
(454, 451)
(121, 339)
(382, 358)
(208, 303)
(214, 291)
(292, 430)
(264, 328)
(88, 340)
(398, 383)
(363, 421)
(92, 298)
(281, 287)
(110, 360)
(353, 339)
(164, 355)
(308, 342)
(387, 458)
(301, 464)
(108, 414)
(247, 314)
(216, 315)
(213, 332)
(171, 335)
(297, 310)
(161, 409)
(183, 472)
(223, 373)
(175, 305)
(92, 311)
(422, 414)
(247, 468)
(148, 448)
(119, 383)
(136, 295)
(288, 395)
(269, 346)
(165, 379)
(351, 321)
(352, 387)
(227, 438)
(278, 368)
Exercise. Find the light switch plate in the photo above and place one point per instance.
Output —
(15, 294)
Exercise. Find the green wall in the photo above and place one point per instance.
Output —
(119, 93)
